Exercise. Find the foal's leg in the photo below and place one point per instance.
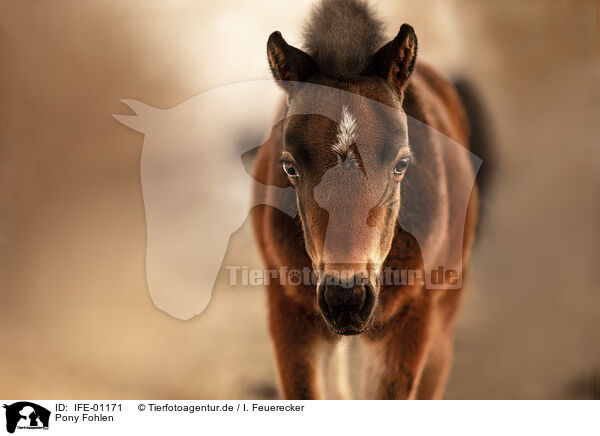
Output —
(333, 369)
(394, 363)
(439, 356)
(297, 335)
(437, 369)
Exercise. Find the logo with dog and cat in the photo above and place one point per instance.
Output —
(24, 415)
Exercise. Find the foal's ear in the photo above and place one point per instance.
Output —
(288, 63)
(395, 61)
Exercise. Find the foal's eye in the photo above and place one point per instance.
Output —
(289, 168)
(401, 166)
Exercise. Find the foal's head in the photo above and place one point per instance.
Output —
(346, 151)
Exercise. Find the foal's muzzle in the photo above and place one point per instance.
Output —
(347, 306)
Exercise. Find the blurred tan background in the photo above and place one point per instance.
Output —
(76, 320)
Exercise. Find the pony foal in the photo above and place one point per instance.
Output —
(354, 143)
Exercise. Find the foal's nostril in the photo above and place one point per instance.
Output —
(340, 295)
(348, 306)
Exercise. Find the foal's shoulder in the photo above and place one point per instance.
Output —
(434, 100)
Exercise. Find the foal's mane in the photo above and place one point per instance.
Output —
(342, 35)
